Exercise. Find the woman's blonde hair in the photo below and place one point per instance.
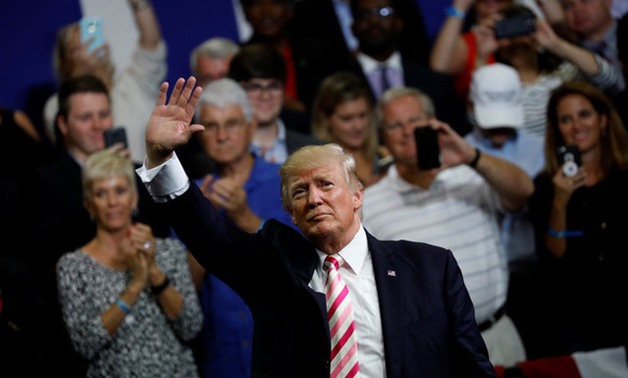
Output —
(105, 164)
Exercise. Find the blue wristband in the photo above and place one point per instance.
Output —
(450, 11)
(123, 306)
(564, 233)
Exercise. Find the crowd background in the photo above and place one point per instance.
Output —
(28, 31)
(27, 74)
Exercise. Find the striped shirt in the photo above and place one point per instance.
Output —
(458, 212)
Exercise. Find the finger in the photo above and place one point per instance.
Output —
(207, 183)
(163, 93)
(186, 93)
(191, 105)
(175, 96)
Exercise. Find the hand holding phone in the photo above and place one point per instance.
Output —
(115, 135)
(91, 28)
(521, 24)
(427, 149)
(570, 159)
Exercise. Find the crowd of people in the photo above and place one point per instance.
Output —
(271, 213)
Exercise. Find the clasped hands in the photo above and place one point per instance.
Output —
(138, 249)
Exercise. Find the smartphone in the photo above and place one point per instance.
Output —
(427, 150)
(521, 24)
(570, 159)
(91, 28)
(115, 135)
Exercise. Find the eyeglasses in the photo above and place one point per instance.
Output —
(229, 127)
(379, 12)
(273, 88)
(412, 122)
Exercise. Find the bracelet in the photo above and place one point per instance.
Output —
(476, 158)
(161, 287)
(455, 12)
(564, 233)
(123, 306)
(139, 4)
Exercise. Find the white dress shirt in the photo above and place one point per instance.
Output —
(357, 272)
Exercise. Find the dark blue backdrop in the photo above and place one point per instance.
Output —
(28, 28)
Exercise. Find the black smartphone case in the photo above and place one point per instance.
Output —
(428, 152)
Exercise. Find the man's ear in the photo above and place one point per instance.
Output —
(358, 199)
(62, 125)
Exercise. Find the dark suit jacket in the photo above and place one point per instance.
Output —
(439, 87)
(427, 316)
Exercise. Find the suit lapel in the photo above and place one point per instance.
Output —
(388, 278)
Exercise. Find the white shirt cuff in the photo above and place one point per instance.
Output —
(166, 181)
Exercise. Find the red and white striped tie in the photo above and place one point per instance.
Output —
(344, 347)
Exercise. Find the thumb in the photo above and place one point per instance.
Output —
(207, 184)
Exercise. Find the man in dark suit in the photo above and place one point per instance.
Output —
(377, 25)
(413, 314)
(309, 15)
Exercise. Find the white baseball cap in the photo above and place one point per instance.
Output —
(496, 96)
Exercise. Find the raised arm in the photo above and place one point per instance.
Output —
(147, 23)
(599, 71)
(449, 52)
(169, 125)
(512, 184)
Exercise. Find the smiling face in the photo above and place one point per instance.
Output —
(349, 123)
(324, 205)
(266, 97)
(89, 115)
(112, 202)
(579, 123)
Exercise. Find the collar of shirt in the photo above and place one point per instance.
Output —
(369, 64)
(278, 152)
(353, 253)
(610, 40)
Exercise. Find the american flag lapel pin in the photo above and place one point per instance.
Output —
(392, 273)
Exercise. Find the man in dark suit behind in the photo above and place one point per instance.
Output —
(377, 25)
(309, 15)
(413, 314)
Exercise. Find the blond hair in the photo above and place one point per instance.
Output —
(105, 164)
(316, 156)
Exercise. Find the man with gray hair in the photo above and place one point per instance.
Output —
(210, 60)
